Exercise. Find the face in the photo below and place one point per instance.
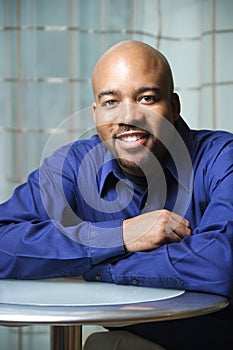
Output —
(133, 103)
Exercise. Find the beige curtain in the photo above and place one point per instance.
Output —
(48, 50)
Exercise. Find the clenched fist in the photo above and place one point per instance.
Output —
(152, 230)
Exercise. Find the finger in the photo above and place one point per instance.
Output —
(178, 229)
(172, 237)
(180, 220)
(181, 227)
(174, 220)
(182, 232)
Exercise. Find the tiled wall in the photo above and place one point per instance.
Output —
(48, 50)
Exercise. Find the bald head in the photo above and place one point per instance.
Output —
(133, 89)
(142, 57)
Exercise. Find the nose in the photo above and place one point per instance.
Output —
(129, 113)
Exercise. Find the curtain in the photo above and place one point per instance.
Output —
(48, 50)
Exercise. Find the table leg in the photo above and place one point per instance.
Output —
(66, 337)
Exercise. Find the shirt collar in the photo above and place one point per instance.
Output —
(110, 166)
(174, 163)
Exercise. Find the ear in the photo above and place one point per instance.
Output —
(93, 107)
(175, 103)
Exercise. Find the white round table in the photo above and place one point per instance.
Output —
(67, 304)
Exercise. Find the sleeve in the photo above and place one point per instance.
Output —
(40, 235)
(201, 262)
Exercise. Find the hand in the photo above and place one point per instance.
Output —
(152, 230)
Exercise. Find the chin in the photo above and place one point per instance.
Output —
(130, 167)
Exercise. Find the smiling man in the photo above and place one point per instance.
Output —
(118, 86)
(131, 101)
(145, 201)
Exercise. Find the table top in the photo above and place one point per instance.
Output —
(72, 301)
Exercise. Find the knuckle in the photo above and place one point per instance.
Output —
(165, 216)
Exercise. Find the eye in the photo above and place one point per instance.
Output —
(109, 104)
(148, 99)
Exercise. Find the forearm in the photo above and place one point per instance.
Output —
(200, 262)
(47, 249)
(41, 234)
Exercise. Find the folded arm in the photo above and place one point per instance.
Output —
(40, 234)
(202, 261)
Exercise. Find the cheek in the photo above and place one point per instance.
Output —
(105, 132)
(163, 112)
(162, 109)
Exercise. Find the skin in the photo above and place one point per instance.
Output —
(133, 90)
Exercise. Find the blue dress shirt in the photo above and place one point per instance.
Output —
(66, 220)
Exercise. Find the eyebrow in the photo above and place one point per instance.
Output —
(107, 92)
(148, 88)
(139, 90)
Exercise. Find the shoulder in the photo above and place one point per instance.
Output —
(85, 144)
(212, 141)
(80, 148)
(90, 150)
(72, 154)
(213, 152)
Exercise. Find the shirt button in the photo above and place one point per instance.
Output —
(67, 274)
(98, 277)
(135, 281)
(147, 205)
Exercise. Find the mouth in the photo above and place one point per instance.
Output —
(131, 138)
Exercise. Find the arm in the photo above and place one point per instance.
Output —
(202, 261)
(40, 235)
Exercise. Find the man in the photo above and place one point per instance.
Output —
(146, 202)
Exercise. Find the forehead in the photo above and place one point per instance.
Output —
(130, 73)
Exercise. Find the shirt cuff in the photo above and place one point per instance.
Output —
(99, 273)
(105, 240)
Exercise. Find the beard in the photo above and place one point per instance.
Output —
(138, 165)
(130, 167)
(144, 161)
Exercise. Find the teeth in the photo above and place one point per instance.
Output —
(131, 138)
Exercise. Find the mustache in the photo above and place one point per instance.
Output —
(129, 127)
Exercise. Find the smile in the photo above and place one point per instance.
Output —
(131, 139)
